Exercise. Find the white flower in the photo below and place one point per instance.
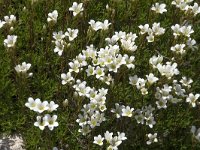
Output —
(176, 30)
(178, 90)
(52, 106)
(10, 19)
(66, 78)
(127, 111)
(186, 82)
(85, 130)
(161, 103)
(74, 66)
(183, 6)
(187, 30)
(178, 48)
(140, 118)
(98, 140)
(129, 62)
(151, 78)
(118, 110)
(152, 138)
(52, 17)
(51, 121)
(144, 91)
(31, 103)
(99, 72)
(192, 99)
(156, 60)
(58, 36)
(157, 30)
(93, 122)
(40, 123)
(113, 67)
(168, 70)
(195, 132)
(128, 45)
(76, 8)
(140, 83)
(121, 136)
(2, 23)
(105, 25)
(71, 33)
(159, 8)
(59, 48)
(95, 25)
(195, 9)
(108, 136)
(41, 106)
(114, 143)
(55, 148)
(191, 44)
(144, 28)
(150, 121)
(23, 68)
(102, 108)
(150, 38)
(10, 41)
(82, 120)
(177, 2)
(90, 70)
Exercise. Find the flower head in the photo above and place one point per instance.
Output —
(76, 8)
(41, 123)
(52, 17)
(71, 33)
(23, 68)
(98, 140)
(159, 8)
(152, 138)
(10, 41)
(127, 111)
(51, 121)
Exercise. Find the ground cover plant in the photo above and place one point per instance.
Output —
(107, 74)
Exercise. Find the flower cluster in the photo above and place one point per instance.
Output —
(8, 20)
(113, 142)
(38, 106)
(105, 61)
(145, 115)
(140, 82)
(121, 110)
(99, 25)
(168, 70)
(93, 112)
(126, 40)
(156, 30)
(179, 30)
(184, 5)
(183, 33)
(63, 40)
